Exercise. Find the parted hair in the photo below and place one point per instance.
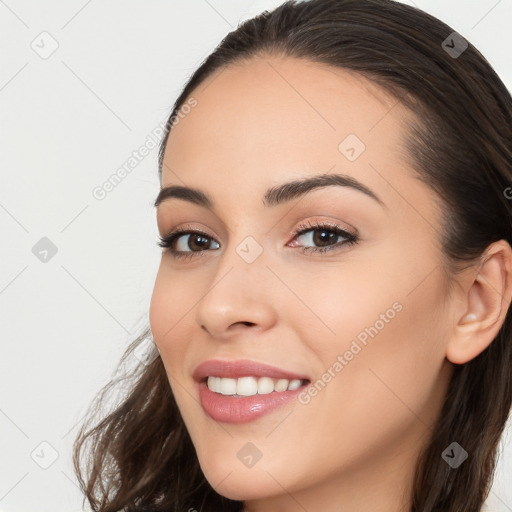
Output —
(138, 455)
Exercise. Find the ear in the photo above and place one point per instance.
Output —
(484, 305)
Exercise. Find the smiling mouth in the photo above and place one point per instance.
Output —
(251, 385)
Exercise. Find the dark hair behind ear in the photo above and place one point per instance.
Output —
(461, 146)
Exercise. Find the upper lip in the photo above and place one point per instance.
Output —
(242, 368)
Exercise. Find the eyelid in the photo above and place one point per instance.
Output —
(317, 223)
(350, 238)
(296, 231)
(190, 226)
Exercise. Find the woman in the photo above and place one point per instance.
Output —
(331, 307)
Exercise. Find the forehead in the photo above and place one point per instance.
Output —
(279, 100)
(268, 119)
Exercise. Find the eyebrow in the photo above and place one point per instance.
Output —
(275, 195)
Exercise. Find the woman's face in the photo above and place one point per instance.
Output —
(366, 322)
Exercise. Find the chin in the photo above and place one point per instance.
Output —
(244, 489)
(239, 483)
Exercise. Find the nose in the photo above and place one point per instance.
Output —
(239, 297)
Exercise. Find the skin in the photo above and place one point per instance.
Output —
(355, 445)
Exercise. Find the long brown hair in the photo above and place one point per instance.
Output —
(139, 457)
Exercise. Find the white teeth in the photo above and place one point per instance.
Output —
(265, 385)
(246, 386)
(249, 386)
(226, 386)
(281, 385)
(294, 384)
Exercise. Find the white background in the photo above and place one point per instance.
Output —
(68, 122)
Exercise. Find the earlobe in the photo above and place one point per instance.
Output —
(485, 305)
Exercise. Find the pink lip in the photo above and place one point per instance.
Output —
(242, 368)
(236, 409)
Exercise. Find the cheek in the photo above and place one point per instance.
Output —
(337, 303)
(167, 311)
(393, 374)
(389, 333)
(157, 309)
(170, 325)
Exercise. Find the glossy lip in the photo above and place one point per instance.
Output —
(242, 409)
(242, 368)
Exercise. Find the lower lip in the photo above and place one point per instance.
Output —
(232, 409)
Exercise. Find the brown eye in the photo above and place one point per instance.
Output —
(322, 237)
(186, 243)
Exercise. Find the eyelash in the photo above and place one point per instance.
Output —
(350, 239)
